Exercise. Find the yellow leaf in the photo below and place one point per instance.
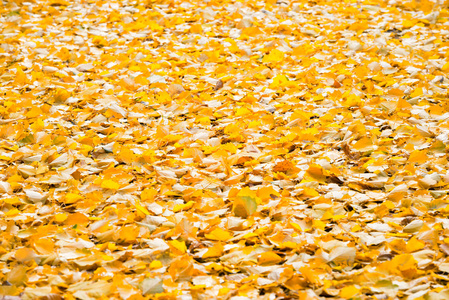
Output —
(196, 28)
(315, 173)
(61, 217)
(318, 224)
(327, 215)
(404, 265)
(278, 81)
(296, 226)
(181, 207)
(61, 95)
(445, 67)
(127, 234)
(310, 275)
(414, 245)
(3, 157)
(244, 206)
(349, 292)
(250, 31)
(204, 121)
(12, 200)
(141, 209)
(38, 125)
(302, 115)
(389, 204)
(408, 23)
(77, 219)
(72, 198)
(417, 92)
(289, 245)
(219, 234)
(99, 41)
(309, 192)
(265, 193)
(12, 212)
(21, 77)
(110, 184)
(44, 246)
(155, 264)
(242, 111)
(34, 112)
(274, 56)
(178, 247)
(214, 251)
(418, 156)
(364, 144)
(352, 100)
(223, 291)
(356, 228)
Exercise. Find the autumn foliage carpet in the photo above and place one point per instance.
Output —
(155, 149)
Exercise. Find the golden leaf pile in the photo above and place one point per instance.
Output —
(167, 149)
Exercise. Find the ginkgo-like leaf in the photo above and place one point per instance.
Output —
(224, 149)
(244, 206)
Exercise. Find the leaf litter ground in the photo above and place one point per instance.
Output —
(224, 149)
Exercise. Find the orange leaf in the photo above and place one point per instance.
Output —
(214, 251)
(269, 258)
(148, 195)
(44, 246)
(364, 144)
(24, 254)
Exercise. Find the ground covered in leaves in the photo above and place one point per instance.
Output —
(224, 149)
